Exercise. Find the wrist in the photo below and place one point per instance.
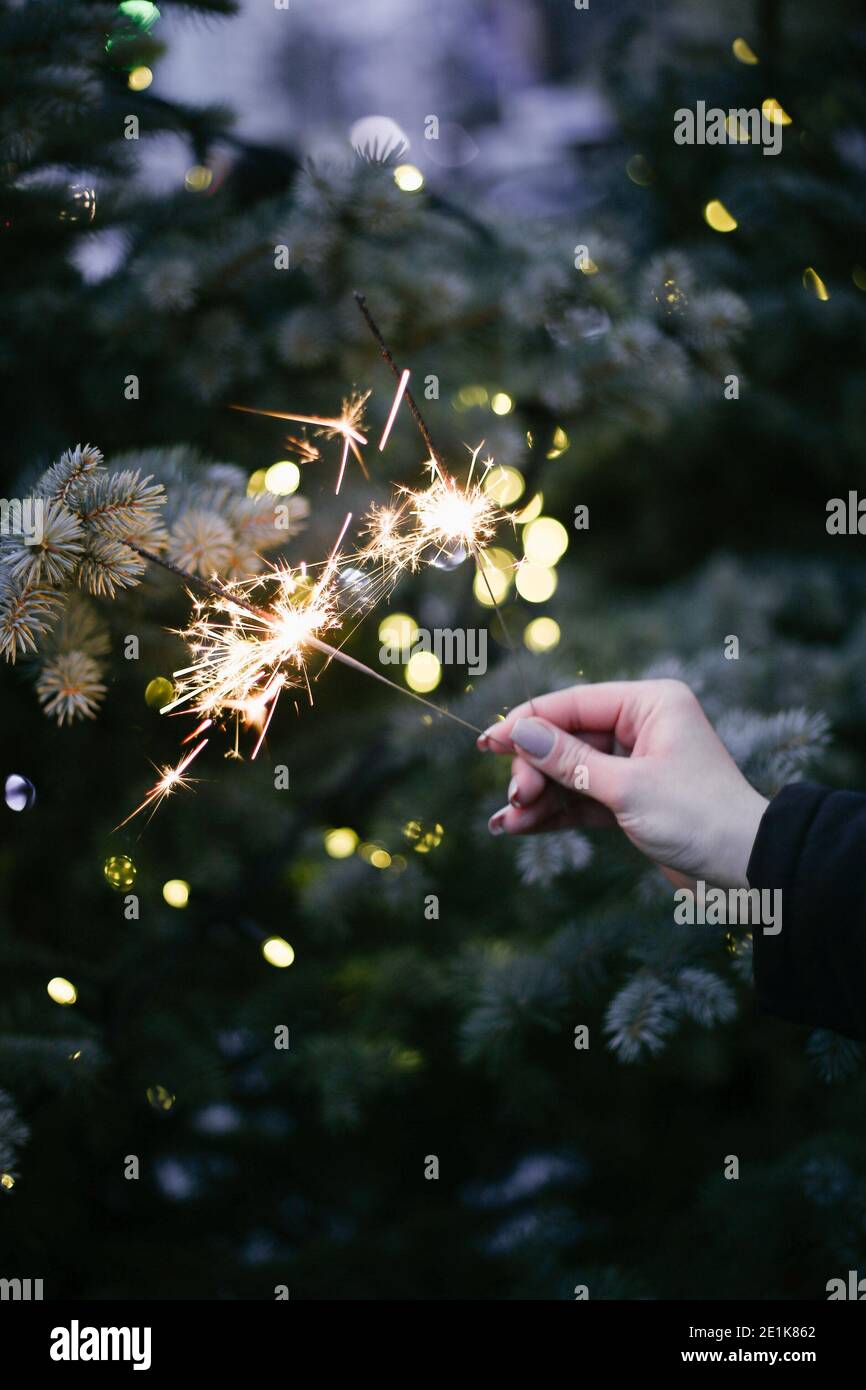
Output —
(742, 836)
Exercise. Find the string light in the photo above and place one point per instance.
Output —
(775, 112)
(541, 634)
(423, 672)
(61, 991)
(716, 215)
(198, 179)
(812, 281)
(277, 951)
(283, 478)
(176, 892)
(545, 540)
(139, 79)
(408, 178)
(341, 843)
(535, 583)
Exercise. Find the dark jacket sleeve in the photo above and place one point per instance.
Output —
(811, 844)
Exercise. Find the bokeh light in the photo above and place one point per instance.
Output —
(143, 12)
(408, 178)
(491, 586)
(545, 540)
(774, 112)
(812, 281)
(19, 792)
(423, 836)
(158, 692)
(639, 171)
(160, 1097)
(501, 403)
(423, 672)
(374, 854)
(535, 583)
(198, 178)
(398, 630)
(541, 634)
(282, 478)
(340, 843)
(743, 52)
(139, 79)
(119, 871)
(716, 215)
(277, 951)
(61, 991)
(531, 510)
(504, 485)
(469, 396)
(176, 892)
(559, 443)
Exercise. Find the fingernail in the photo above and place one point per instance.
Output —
(496, 824)
(533, 737)
(484, 739)
(513, 790)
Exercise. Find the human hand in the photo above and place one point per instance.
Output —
(638, 754)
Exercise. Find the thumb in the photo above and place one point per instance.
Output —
(570, 761)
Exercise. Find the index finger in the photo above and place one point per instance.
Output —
(608, 707)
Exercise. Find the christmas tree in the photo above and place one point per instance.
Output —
(308, 1026)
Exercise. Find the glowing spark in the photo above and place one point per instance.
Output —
(346, 426)
(171, 779)
(306, 452)
(398, 396)
(246, 655)
(446, 518)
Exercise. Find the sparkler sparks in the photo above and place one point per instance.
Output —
(247, 652)
(346, 426)
(171, 779)
(398, 396)
(446, 519)
(246, 655)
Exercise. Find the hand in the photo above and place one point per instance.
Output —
(638, 754)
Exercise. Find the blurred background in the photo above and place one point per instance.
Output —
(660, 346)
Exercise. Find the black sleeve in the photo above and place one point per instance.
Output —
(811, 844)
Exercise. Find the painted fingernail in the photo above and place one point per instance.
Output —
(533, 737)
(514, 792)
(496, 824)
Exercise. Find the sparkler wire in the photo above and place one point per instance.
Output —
(361, 301)
(374, 328)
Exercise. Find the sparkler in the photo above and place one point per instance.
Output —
(247, 654)
(446, 519)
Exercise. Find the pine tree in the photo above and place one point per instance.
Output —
(441, 978)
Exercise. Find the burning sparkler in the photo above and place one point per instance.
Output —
(446, 520)
(246, 653)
